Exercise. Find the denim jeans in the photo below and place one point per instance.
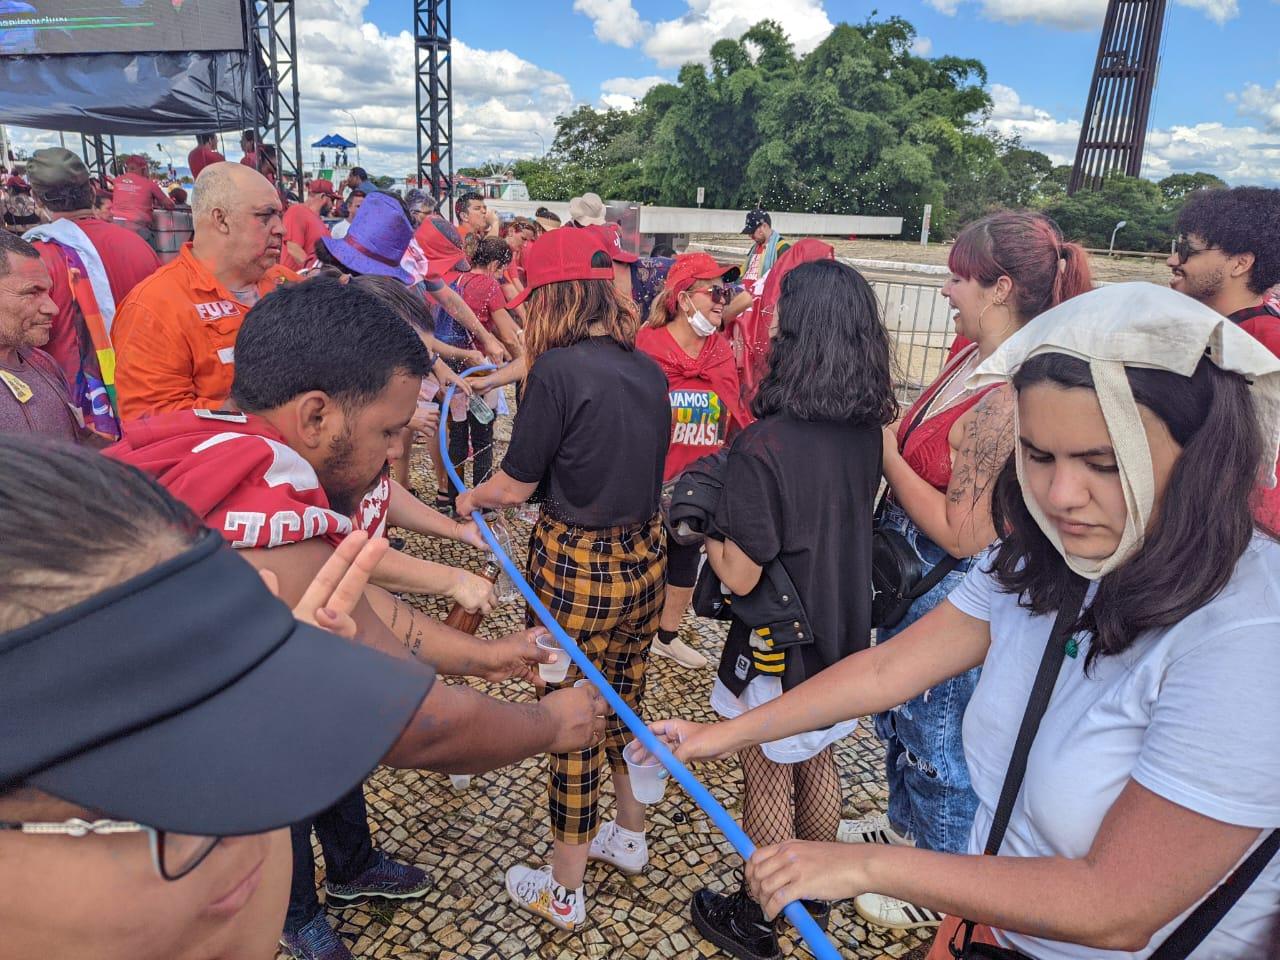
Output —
(930, 797)
(343, 831)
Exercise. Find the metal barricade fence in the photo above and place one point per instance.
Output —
(919, 322)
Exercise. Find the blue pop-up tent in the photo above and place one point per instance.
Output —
(334, 140)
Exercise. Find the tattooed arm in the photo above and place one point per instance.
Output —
(959, 520)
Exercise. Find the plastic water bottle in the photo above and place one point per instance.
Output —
(481, 410)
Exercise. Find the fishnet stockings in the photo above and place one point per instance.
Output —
(792, 800)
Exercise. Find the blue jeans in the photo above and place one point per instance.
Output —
(345, 840)
(930, 797)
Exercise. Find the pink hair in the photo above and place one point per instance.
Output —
(1028, 249)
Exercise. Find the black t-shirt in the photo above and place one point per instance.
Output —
(591, 431)
(804, 491)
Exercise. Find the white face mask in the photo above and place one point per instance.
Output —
(701, 325)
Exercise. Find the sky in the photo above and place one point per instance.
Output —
(520, 63)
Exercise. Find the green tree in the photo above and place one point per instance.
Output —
(1089, 216)
(1178, 186)
(383, 182)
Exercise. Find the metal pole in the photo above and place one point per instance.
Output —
(357, 126)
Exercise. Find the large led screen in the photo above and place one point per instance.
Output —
(119, 26)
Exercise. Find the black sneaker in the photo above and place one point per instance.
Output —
(387, 879)
(734, 923)
(820, 910)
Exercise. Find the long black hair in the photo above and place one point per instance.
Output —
(73, 523)
(1202, 523)
(830, 358)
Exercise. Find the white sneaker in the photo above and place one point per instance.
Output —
(893, 913)
(536, 890)
(625, 853)
(680, 652)
(875, 829)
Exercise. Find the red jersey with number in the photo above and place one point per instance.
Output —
(239, 475)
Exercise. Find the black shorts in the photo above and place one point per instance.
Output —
(682, 563)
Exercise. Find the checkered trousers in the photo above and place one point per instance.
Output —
(605, 588)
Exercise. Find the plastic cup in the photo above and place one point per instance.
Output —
(553, 672)
(458, 407)
(648, 779)
(460, 781)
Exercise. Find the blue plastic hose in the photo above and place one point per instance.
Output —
(817, 941)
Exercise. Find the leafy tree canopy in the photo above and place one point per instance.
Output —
(861, 124)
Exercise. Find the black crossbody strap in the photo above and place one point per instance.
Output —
(1037, 703)
(1192, 931)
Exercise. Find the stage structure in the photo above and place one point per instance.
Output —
(433, 96)
(1114, 130)
(273, 32)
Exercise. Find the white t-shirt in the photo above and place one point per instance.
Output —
(339, 229)
(1192, 713)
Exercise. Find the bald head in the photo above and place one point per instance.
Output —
(237, 218)
(224, 186)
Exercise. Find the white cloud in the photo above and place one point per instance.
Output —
(688, 38)
(922, 46)
(622, 93)
(1257, 101)
(1072, 14)
(1239, 155)
(615, 21)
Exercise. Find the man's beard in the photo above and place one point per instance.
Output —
(1205, 287)
(344, 492)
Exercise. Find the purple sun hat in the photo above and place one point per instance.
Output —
(377, 240)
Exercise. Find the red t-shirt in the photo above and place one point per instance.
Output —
(135, 196)
(302, 226)
(1263, 325)
(483, 294)
(201, 157)
(703, 392)
(127, 260)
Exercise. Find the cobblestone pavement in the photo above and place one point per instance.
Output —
(467, 840)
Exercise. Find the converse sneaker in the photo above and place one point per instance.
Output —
(895, 914)
(387, 878)
(536, 890)
(623, 849)
(735, 923)
(875, 829)
(316, 941)
(680, 652)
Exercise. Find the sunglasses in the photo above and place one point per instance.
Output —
(1185, 251)
(719, 293)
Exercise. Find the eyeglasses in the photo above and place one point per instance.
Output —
(1185, 251)
(719, 293)
(174, 855)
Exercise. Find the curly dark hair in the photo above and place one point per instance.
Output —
(491, 250)
(1203, 521)
(1239, 220)
(831, 357)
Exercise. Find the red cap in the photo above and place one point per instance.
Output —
(135, 162)
(697, 266)
(322, 186)
(611, 237)
(562, 255)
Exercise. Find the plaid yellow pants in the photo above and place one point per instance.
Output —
(605, 588)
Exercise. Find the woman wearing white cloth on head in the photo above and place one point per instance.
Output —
(1144, 421)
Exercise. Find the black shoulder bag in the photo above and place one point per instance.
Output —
(898, 576)
(1192, 931)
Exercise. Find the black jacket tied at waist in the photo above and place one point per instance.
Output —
(772, 611)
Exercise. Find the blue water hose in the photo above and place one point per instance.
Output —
(817, 941)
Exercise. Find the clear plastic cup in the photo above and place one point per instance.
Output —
(648, 779)
(553, 672)
(458, 407)
(460, 781)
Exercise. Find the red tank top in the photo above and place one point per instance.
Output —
(927, 449)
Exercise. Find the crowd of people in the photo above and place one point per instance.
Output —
(1053, 579)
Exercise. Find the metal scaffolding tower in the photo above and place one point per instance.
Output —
(99, 154)
(432, 35)
(1114, 130)
(274, 54)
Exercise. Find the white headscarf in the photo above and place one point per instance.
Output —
(1136, 325)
